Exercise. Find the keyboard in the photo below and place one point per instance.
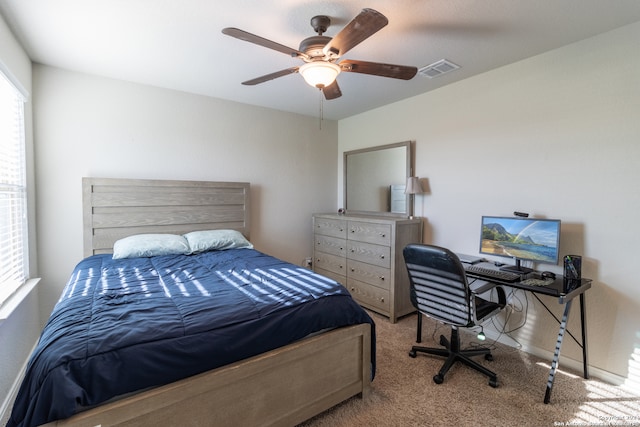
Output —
(492, 274)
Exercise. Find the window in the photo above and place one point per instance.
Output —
(13, 191)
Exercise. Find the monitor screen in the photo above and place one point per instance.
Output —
(527, 239)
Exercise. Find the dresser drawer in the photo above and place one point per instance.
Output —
(330, 262)
(371, 233)
(330, 245)
(372, 274)
(369, 295)
(331, 227)
(369, 253)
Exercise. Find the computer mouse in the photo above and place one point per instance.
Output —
(548, 274)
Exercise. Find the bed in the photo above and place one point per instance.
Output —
(153, 340)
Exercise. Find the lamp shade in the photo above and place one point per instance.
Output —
(319, 73)
(413, 186)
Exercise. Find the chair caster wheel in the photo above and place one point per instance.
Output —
(412, 353)
(488, 357)
(438, 379)
(493, 382)
(443, 341)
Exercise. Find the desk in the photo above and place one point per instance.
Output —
(566, 297)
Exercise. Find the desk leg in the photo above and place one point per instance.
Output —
(556, 355)
(419, 328)
(583, 325)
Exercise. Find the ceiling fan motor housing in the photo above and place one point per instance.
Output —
(313, 46)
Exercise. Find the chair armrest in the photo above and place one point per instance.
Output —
(481, 286)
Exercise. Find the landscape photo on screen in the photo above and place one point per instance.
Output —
(527, 239)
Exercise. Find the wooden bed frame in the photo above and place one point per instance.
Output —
(282, 387)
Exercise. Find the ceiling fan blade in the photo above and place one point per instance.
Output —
(403, 72)
(332, 91)
(261, 41)
(363, 26)
(271, 76)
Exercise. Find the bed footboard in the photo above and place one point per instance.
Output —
(280, 388)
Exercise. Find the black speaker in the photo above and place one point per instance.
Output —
(573, 267)
(572, 272)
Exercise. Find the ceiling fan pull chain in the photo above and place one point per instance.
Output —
(321, 112)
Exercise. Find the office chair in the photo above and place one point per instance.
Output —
(439, 289)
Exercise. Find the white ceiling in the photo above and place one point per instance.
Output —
(179, 45)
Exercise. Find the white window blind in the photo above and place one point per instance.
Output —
(13, 191)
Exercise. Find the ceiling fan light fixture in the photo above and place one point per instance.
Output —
(319, 73)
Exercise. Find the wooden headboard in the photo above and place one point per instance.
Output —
(116, 208)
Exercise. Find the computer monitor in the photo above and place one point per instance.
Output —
(524, 239)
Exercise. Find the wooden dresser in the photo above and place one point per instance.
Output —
(364, 253)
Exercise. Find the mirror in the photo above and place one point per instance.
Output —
(375, 179)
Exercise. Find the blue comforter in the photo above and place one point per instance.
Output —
(129, 324)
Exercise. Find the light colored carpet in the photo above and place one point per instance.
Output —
(404, 394)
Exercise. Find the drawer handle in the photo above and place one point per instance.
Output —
(381, 278)
(353, 289)
(342, 229)
(340, 266)
(353, 270)
(353, 231)
(381, 299)
(383, 235)
(381, 256)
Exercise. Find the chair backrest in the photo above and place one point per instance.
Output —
(439, 286)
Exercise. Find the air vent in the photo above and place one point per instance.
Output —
(438, 68)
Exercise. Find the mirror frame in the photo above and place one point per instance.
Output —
(408, 172)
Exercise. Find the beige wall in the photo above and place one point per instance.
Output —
(558, 136)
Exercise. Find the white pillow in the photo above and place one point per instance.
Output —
(148, 245)
(210, 240)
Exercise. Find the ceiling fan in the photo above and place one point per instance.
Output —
(321, 53)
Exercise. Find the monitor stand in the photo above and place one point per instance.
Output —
(516, 268)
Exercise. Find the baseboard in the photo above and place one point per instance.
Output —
(575, 365)
(7, 403)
